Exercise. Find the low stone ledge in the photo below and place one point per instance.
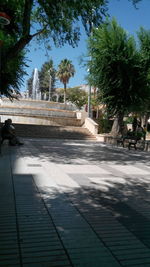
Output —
(106, 138)
(38, 112)
(37, 103)
(91, 125)
(39, 120)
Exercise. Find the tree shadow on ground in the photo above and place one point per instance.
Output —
(78, 152)
(110, 211)
(118, 214)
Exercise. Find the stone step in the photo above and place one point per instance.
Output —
(59, 132)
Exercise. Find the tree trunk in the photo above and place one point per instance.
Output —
(64, 93)
(144, 119)
(117, 125)
(26, 37)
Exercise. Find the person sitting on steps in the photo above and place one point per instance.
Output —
(8, 132)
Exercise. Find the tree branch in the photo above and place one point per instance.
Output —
(27, 17)
(39, 32)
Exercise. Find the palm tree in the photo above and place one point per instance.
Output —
(65, 71)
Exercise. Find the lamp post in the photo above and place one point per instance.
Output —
(89, 89)
(50, 84)
(89, 101)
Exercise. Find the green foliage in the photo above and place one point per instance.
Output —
(116, 69)
(57, 21)
(48, 21)
(128, 120)
(11, 73)
(65, 72)
(29, 84)
(46, 71)
(135, 1)
(104, 125)
(60, 17)
(77, 96)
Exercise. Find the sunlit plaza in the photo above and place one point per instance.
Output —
(74, 203)
(74, 133)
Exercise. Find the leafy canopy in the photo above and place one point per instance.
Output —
(65, 71)
(77, 96)
(46, 71)
(50, 21)
(116, 68)
(55, 20)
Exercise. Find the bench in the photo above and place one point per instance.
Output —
(120, 141)
(133, 142)
(139, 144)
(147, 145)
(124, 139)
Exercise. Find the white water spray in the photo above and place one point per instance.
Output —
(36, 94)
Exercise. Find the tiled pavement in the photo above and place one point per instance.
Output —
(74, 203)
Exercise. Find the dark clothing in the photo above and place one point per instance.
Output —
(8, 132)
(134, 124)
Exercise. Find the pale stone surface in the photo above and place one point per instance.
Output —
(74, 203)
(91, 125)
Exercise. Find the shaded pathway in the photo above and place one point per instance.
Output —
(71, 203)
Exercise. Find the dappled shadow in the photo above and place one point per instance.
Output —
(79, 152)
(118, 213)
(102, 218)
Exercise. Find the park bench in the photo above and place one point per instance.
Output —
(124, 140)
(120, 141)
(133, 142)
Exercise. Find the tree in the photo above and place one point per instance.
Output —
(64, 73)
(29, 85)
(136, 1)
(47, 78)
(11, 77)
(116, 69)
(52, 20)
(77, 96)
(144, 50)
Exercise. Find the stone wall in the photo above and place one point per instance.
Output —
(37, 104)
(39, 112)
(54, 121)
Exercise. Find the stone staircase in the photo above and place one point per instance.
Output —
(58, 132)
(44, 119)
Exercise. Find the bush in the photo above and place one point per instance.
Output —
(104, 125)
(128, 120)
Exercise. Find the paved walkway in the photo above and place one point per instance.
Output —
(74, 203)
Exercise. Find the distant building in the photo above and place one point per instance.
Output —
(85, 87)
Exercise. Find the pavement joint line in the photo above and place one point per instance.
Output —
(105, 245)
(17, 223)
(65, 250)
(121, 250)
(93, 232)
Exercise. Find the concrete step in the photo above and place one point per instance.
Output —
(59, 132)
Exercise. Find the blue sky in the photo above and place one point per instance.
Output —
(127, 16)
